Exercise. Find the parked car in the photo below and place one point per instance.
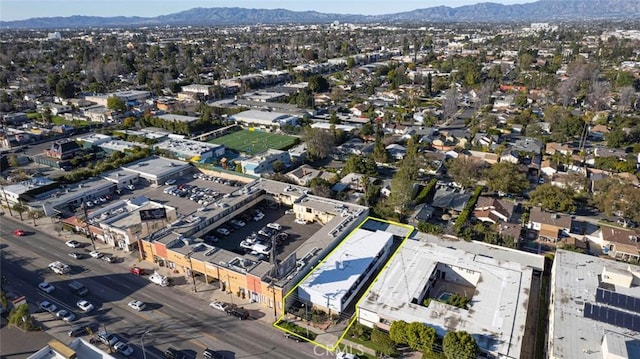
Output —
(300, 221)
(131, 187)
(137, 305)
(223, 231)
(77, 331)
(66, 315)
(292, 337)
(137, 271)
(95, 254)
(170, 182)
(173, 353)
(48, 306)
(85, 305)
(123, 348)
(18, 232)
(239, 313)
(109, 259)
(211, 354)
(46, 287)
(275, 226)
(221, 306)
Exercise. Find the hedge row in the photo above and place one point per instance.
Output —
(464, 215)
(422, 196)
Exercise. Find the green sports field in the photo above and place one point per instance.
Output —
(252, 142)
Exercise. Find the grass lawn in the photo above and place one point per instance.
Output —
(253, 142)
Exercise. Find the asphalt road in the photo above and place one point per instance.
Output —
(173, 318)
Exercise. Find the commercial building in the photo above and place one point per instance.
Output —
(180, 248)
(265, 119)
(79, 348)
(127, 96)
(426, 271)
(178, 118)
(594, 308)
(338, 279)
(190, 150)
(263, 162)
(25, 191)
(157, 170)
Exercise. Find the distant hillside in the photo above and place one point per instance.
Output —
(543, 10)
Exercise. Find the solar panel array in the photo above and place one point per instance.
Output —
(612, 316)
(618, 300)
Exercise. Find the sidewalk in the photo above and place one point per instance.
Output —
(205, 292)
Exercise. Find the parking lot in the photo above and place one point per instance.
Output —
(297, 233)
(181, 199)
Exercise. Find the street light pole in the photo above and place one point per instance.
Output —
(144, 352)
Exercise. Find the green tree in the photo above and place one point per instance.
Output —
(383, 342)
(420, 336)
(320, 143)
(398, 332)
(616, 198)
(505, 177)
(13, 161)
(351, 62)
(459, 345)
(616, 138)
(521, 100)
(466, 171)
(116, 103)
(65, 88)
(553, 198)
(278, 166)
(317, 83)
(21, 318)
(20, 208)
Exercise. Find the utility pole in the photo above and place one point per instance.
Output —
(5, 197)
(144, 352)
(86, 221)
(193, 277)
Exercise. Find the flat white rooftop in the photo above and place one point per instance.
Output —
(341, 269)
(497, 314)
(576, 278)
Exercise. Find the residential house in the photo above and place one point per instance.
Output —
(494, 210)
(528, 145)
(63, 149)
(549, 168)
(510, 156)
(550, 226)
(621, 244)
(605, 152)
(487, 157)
(422, 213)
(485, 140)
(396, 151)
(304, 174)
(446, 199)
(598, 132)
(354, 146)
(553, 147)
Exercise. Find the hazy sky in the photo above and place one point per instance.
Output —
(24, 9)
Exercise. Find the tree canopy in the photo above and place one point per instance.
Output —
(417, 335)
(459, 345)
(320, 143)
(506, 177)
(553, 198)
(466, 171)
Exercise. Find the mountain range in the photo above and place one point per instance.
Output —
(541, 11)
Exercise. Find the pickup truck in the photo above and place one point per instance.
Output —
(59, 267)
(159, 279)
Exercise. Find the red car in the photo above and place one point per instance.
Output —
(137, 271)
(18, 232)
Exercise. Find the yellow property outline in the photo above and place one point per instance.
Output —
(355, 316)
